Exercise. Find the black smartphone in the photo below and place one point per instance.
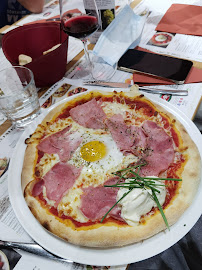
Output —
(170, 68)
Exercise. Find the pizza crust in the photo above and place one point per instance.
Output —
(112, 235)
(192, 170)
(29, 162)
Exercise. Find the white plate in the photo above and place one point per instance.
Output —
(98, 256)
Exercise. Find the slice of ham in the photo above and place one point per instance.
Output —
(96, 201)
(62, 143)
(160, 150)
(38, 188)
(89, 115)
(139, 137)
(120, 132)
(59, 180)
(148, 142)
(127, 138)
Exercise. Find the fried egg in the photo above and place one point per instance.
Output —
(99, 156)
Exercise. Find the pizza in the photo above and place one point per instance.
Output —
(76, 91)
(108, 169)
(47, 103)
(62, 90)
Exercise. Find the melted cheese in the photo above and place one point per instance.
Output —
(59, 125)
(46, 163)
(70, 205)
(115, 108)
(49, 202)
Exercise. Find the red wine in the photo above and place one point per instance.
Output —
(80, 26)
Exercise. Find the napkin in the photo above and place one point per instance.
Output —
(122, 33)
(194, 76)
(182, 19)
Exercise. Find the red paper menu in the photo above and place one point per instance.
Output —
(182, 19)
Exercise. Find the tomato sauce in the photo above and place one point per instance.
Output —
(172, 185)
(64, 115)
(143, 106)
(166, 122)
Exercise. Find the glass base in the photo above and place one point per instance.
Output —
(99, 70)
(23, 122)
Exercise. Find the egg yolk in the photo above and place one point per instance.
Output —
(93, 151)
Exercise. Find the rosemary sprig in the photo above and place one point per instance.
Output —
(136, 181)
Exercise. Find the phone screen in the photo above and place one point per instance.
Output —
(158, 65)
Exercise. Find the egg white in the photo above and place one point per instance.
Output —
(95, 172)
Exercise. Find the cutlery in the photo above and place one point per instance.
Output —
(126, 85)
(34, 249)
(165, 91)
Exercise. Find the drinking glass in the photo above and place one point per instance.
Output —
(18, 96)
(80, 23)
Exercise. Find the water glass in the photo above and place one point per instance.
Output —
(18, 96)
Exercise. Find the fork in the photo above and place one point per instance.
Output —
(34, 249)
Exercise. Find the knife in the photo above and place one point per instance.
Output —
(165, 91)
(34, 249)
(126, 85)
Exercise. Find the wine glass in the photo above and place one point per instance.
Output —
(80, 22)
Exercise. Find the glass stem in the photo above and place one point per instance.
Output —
(89, 63)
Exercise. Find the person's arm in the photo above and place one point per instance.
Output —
(35, 6)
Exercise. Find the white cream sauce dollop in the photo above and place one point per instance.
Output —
(139, 202)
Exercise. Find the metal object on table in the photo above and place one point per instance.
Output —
(165, 91)
(107, 84)
(34, 249)
(126, 85)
